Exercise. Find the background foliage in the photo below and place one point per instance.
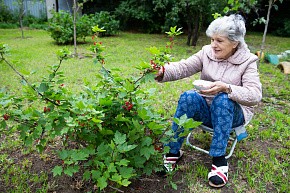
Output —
(158, 15)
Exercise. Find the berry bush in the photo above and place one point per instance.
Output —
(109, 131)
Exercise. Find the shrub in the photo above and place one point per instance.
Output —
(4, 25)
(84, 27)
(110, 130)
(106, 21)
(61, 27)
(284, 30)
(43, 26)
(5, 14)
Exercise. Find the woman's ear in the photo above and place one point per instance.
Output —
(236, 45)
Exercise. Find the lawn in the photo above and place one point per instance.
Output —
(259, 164)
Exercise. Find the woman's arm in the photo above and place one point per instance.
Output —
(182, 69)
(250, 93)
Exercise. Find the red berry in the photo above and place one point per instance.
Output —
(46, 109)
(6, 117)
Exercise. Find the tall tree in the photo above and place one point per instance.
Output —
(271, 3)
(21, 13)
(76, 8)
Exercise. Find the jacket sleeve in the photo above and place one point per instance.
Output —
(183, 68)
(250, 93)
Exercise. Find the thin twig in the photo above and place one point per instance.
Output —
(27, 82)
(149, 180)
(116, 189)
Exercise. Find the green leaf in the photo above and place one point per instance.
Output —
(139, 161)
(25, 72)
(176, 120)
(96, 174)
(129, 86)
(105, 102)
(97, 120)
(96, 29)
(125, 147)
(80, 155)
(119, 138)
(3, 124)
(121, 118)
(43, 87)
(57, 170)
(106, 132)
(146, 141)
(116, 178)
(63, 154)
(143, 65)
(190, 123)
(154, 125)
(173, 185)
(126, 172)
(64, 130)
(112, 168)
(102, 182)
(143, 114)
(112, 145)
(123, 162)
(154, 50)
(147, 151)
(103, 150)
(87, 175)
(80, 105)
(70, 170)
(125, 182)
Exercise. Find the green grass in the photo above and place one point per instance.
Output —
(260, 163)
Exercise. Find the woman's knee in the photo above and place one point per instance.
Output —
(190, 97)
(222, 99)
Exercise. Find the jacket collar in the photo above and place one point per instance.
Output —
(240, 56)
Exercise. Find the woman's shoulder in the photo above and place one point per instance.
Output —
(243, 55)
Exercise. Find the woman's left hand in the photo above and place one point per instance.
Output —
(216, 88)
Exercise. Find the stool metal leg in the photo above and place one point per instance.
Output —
(207, 129)
(193, 146)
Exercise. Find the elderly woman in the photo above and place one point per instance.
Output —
(227, 100)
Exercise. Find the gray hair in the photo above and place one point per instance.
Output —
(233, 27)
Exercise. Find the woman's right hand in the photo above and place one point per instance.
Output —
(160, 74)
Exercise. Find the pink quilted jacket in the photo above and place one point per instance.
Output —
(239, 70)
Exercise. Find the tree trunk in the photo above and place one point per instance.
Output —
(21, 14)
(189, 25)
(196, 29)
(21, 27)
(75, 28)
(266, 27)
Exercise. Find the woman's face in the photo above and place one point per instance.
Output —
(222, 47)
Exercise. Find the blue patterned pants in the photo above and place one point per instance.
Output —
(221, 115)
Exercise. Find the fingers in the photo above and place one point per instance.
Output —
(216, 88)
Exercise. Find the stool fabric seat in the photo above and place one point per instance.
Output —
(240, 134)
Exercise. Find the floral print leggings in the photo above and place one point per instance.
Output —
(221, 115)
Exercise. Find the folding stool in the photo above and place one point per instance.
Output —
(238, 136)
